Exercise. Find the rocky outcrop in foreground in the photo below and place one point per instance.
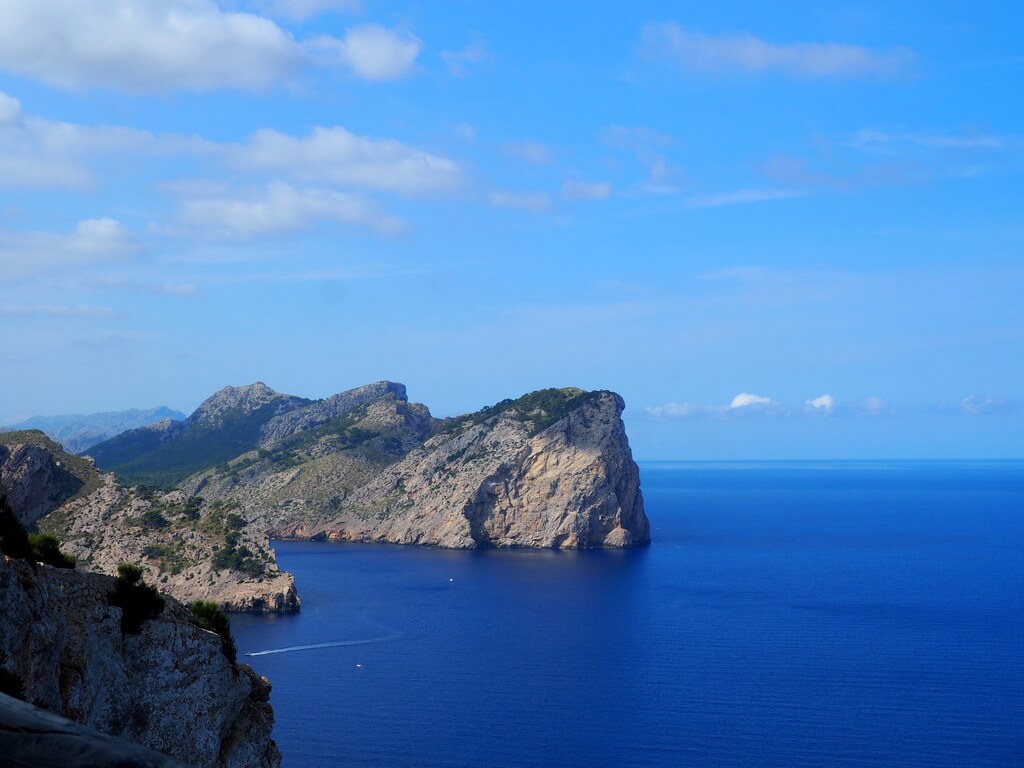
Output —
(31, 737)
(552, 468)
(169, 688)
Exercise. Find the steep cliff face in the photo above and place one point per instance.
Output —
(504, 478)
(169, 688)
(38, 476)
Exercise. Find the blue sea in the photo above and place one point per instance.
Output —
(787, 614)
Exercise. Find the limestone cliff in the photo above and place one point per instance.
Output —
(504, 478)
(169, 688)
(38, 476)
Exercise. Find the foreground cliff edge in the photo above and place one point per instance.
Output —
(195, 501)
(169, 687)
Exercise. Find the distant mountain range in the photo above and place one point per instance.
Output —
(78, 432)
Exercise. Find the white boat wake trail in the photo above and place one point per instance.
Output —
(336, 644)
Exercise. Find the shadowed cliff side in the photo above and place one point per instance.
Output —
(169, 687)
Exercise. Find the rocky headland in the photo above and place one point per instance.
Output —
(195, 501)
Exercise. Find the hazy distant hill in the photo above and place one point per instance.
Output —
(77, 432)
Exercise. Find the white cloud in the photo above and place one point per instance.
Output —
(279, 210)
(56, 310)
(537, 202)
(532, 152)
(673, 410)
(745, 53)
(458, 62)
(39, 152)
(581, 190)
(740, 197)
(161, 45)
(374, 52)
(823, 404)
(337, 156)
(93, 241)
(141, 45)
(747, 400)
(35, 152)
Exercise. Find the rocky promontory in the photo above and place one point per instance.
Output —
(195, 502)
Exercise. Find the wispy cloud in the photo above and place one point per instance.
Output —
(891, 141)
(91, 242)
(460, 62)
(741, 197)
(56, 310)
(300, 10)
(533, 152)
(574, 189)
(337, 156)
(280, 209)
(745, 53)
(648, 146)
(535, 202)
(40, 152)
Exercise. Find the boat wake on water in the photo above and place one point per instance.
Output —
(335, 644)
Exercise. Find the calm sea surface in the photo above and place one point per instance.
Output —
(817, 614)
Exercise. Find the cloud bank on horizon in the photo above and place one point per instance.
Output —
(810, 200)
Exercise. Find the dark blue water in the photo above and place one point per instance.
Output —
(851, 614)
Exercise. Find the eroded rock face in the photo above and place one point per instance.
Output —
(169, 688)
(35, 480)
(572, 485)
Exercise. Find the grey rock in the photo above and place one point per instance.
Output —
(169, 688)
(31, 737)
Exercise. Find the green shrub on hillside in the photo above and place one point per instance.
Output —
(237, 558)
(46, 549)
(209, 616)
(137, 600)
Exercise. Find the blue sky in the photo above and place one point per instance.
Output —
(787, 230)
